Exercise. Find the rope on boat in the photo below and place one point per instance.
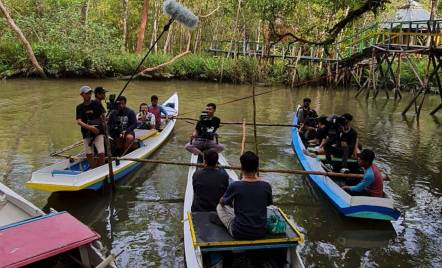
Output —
(267, 170)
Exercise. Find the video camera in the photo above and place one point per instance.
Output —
(112, 104)
(206, 123)
(335, 124)
(204, 117)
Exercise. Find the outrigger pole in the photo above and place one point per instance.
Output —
(286, 171)
(241, 123)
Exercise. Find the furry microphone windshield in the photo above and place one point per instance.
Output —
(180, 14)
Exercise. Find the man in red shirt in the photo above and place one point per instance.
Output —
(156, 110)
(372, 184)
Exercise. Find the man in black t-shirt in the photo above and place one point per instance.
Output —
(344, 144)
(88, 114)
(320, 136)
(307, 120)
(204, 134)
(209, 184)
(250, 198)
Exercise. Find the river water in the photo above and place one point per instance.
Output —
(37, 117)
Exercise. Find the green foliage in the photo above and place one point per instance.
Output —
(67, 44)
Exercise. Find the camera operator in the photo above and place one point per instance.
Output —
(308, 119)
(121, 124)
(341, 141)
(145, 120)
(88, 118)
(204, 133)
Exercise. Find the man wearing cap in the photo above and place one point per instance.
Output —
(88, 114)
(372, 184)
(305, 115)
(100, 94)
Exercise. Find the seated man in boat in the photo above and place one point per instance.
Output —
(156, 110)
(205, 132)
(307, 119)
(341, 140)
(88, 118)
(209, 184)
(320, 137)
(145, 120)
(247, 220)
(121, 124)
(372, 184)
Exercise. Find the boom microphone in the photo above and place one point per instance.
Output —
(181, 14)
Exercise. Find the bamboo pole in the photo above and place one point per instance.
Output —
(243, 143)
(254, 120)
(267, 170)
(241, 123)
(109, 154)
(78, 143)
(398, 79)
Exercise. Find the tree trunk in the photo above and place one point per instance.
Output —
(142, 27)
(125, 4)
(232, 40)
(166, 43)
(433, 4)
(155, 26)
(433, 9)
(23, 39)
(85, 11)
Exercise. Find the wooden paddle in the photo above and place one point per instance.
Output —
(285, 171)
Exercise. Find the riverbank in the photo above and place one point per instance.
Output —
(59, 62)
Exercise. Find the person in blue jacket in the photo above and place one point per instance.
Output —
(121, 124)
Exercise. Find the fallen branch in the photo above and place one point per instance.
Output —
(369, 5)
(210, 14)
(171, 61)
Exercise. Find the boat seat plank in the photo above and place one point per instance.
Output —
(321, 157)
(208, 234)
(66, 172)
(41, 238)
(249, 247)
(10, 213)
(142, 134)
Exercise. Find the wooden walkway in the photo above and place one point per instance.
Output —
(383, 42)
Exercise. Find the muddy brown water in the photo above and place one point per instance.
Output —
(37, 117)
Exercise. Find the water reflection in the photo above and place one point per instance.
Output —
(146, 221)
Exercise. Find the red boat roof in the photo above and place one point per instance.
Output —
(39, 238)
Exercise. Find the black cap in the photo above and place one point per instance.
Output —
(367, 155)
(100, 90)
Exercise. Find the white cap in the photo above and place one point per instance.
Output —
(85, 89)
